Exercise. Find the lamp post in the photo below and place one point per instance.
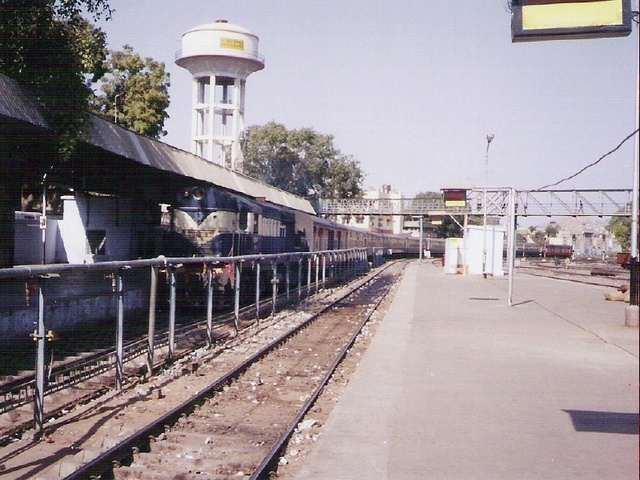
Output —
(490, 138)
(631, 313)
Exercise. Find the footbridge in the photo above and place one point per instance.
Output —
(494, 202)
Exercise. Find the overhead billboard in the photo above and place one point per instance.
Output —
(534, 20)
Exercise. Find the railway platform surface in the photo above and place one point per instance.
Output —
(458, 385)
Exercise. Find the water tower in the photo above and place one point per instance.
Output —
(220, 57)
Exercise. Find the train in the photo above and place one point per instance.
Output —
(557, 251)
(546, 251)
(210, 221)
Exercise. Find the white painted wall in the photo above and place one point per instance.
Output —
(87, 216)
(474, 252)
(454, 256)
(28, 239)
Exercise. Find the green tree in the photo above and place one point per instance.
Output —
(538, 236)
(302, 162)
(449, 228)
(620, 227)
(552, 230)
(430, 196)
(47, 47)
(134, 92)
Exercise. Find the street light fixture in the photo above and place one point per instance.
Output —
(490, 138)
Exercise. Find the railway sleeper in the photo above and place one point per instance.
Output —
(196, 453)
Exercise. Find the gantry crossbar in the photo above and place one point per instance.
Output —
(550, 203)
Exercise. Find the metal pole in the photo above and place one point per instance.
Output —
(465, 246)
(324, 271)
(332, 267)
(274, 287)
(210, 305)
(287, 277)
(43, 220)
(153, 298)
(511, 243)
(236, 305)
(633, 301)
(299, 278)
(40, 339)
(172, 313)
(490, 137)
(258, 291)
(309, 267)
(120, 330)
(421, 233)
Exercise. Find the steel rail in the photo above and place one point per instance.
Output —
(124, 451)
(21, 391)
(263, 471)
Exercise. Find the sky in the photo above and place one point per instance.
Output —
(411, 88)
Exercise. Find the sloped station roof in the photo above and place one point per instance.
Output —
(18, 106)
(112, 157)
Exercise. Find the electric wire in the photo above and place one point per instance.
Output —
(591, 164)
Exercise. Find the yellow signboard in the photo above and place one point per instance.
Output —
(454, 197)
(232, 44)
(569, 19)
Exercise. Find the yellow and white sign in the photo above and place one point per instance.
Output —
(568, 19)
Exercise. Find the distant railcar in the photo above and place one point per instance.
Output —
(558, 251)
(624, 259)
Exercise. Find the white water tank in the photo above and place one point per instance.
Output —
(220, 56)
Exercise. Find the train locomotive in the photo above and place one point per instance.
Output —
(207, 221)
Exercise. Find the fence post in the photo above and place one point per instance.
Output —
(120, 329)
(299, 278)
(39, 336)
(236, 309)
(257, 264)
(172, 313)
(210, 305)
(287, 276)
(324, 271)
(274, 287)
(309, 268)
(153, 298)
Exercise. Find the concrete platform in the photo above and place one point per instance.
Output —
(457, 385)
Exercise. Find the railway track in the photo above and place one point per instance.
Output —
(89, 375)
(600, 274)
(217, 413)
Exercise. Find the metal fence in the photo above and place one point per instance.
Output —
(291, 277)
